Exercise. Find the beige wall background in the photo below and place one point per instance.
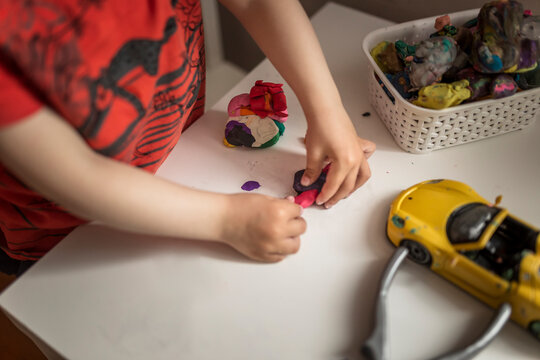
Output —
(241, 50)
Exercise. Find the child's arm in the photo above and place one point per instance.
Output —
(284, 33)
(50, 157)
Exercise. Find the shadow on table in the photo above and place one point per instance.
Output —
(368, 284)
(97, 246)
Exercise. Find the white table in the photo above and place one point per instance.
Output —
(103, 294)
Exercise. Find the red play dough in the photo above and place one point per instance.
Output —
(307, 198)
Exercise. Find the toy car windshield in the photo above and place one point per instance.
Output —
(467, 223)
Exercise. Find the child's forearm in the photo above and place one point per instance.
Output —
(51, 158)
(283, 32)
(134, 200)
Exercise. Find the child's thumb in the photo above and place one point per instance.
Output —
(313, 171)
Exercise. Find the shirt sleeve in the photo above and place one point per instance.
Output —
(17, 100)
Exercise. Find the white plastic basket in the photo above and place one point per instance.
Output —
(420, 130)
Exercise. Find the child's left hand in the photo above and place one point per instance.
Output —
(331, 138)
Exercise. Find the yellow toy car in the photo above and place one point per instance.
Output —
(477, 245)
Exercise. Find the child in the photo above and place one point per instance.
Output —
(95, 95)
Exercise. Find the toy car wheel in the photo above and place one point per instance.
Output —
(417, 252)
(534, 328)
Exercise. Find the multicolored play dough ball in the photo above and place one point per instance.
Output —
(479, 84)
(501, 43)
(502, 86)
(432, 59)
(256, 119)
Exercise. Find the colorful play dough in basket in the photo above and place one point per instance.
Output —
(497, 52)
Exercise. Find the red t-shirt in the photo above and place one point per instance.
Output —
(129, 75)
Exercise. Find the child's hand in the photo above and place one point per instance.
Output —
(262, 227)
(298, 57)
(332, 139)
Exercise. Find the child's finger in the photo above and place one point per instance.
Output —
(273, 258)
(336, 176)
(293, 210)
(296, 227)
(289, 246)
(347, 187)
(314, 166)
(363, 175)
(368, 147)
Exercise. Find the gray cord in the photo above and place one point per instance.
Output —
(376, 346)
(496, 325)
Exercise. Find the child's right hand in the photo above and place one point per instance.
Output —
(262, 227)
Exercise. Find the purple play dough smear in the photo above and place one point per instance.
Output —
(250, 185)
